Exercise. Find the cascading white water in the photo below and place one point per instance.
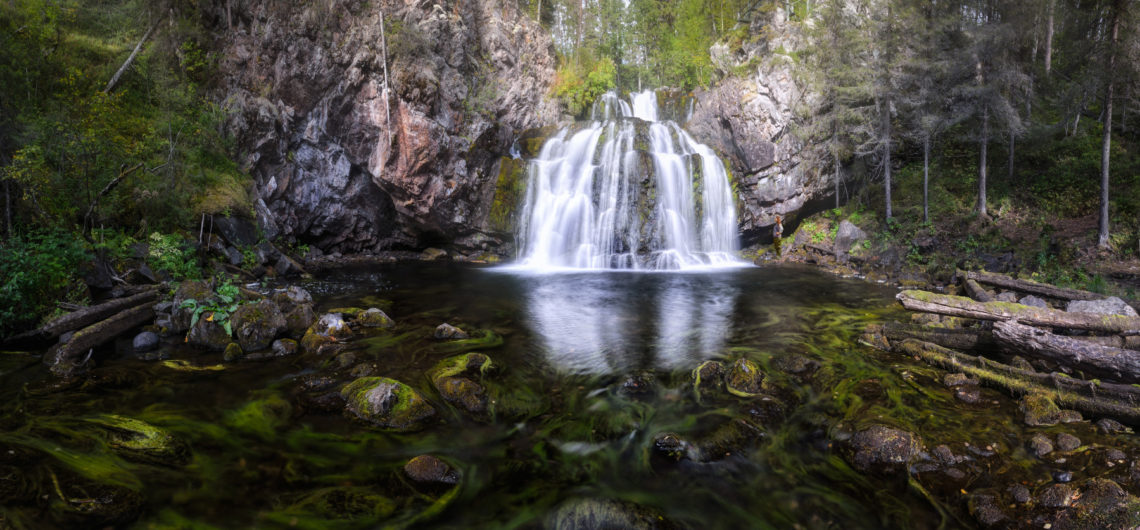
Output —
(627, 191)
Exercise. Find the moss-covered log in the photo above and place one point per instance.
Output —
(960, 306)
(1121, 402)
(81, 318)
(971, 339)
(977, 293)
(1030, 287)
(64, 358)
(1117, 363)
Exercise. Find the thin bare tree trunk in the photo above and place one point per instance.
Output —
(837, 180)
(1049, 38)
(1010, 163)
(1102, 235)
(130, 59)
(887, 158)
(982, 163)
(925, 178)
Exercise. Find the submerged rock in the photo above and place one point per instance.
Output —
(744, 378)
(298, 320)
(880, 449)
(596, 514)
(1067, 442)
(1040, 445)
(139, 440)
(233, 352)
(708, 379)
(256, 325)
(387, 403)
(429, 470)
(375, 318)
(449, 332)
(284, 347)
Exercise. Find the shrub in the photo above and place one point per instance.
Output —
(36, 271)
(168, 253)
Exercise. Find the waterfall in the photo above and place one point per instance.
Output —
(627, 190)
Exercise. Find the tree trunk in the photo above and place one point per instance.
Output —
(1102, 234)
(387, 87)
(837, 180)
(1009, 175)
(887, 151)
(130, 59)
(925, 178)
(1117, 363)
(1049, 38)
(1031, 287)
(977, 292)
(80, 318)
(982, 164)
(960, 306)
(893, 333)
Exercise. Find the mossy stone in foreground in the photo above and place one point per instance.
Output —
(387, 403)
(139, 440)
(1040, 410)
(744, 378)
(708, 379)
(233, 352)
(880, 449)
(375, 318)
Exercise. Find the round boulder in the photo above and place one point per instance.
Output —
(375, 318)
(256, 325)
(880, 449)
(144, 342)
(449, 332)
(744, 378)
(387, 403)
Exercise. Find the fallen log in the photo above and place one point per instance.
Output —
(960, 306)
(977, 293)
(1117, 363)
(972, 339)
(1030, 286)
(79, 318)
(1121, 402)
(65, 358)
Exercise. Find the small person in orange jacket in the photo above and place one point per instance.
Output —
(777, 235)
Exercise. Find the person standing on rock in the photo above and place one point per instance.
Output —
(777, 235)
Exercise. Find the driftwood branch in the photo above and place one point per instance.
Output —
(130, 59)
(83, 317)
(961, 306)
(1121, 402)
(1117, 363)
(1031, 287)
(977, 292)
(972, 339)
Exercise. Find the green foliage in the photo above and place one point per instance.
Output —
(217, 309)
(578, 87)
(168, 252)
(36, 271)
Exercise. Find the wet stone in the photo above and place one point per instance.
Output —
(1039, 410)
(1063, 476)
(985, 510)
(1019, 493)
(374, 318)
(1067, 442)
(284, 347)
(744, 378)
(1006, 296)
(1040, 445)
(429, 470)
(449, 332)
(387, 403)
(256, 325)
(639, 384)
(1115, 455)
(969, 395)
(883, 450)
(1034, 301)
(1056, 496)
(1110, 426)
(708, 378)
(233, 352)
(144, 342)
(953, 380)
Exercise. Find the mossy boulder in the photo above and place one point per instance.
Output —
(455, 380)
(284, 347)
(291, 298)
(375, 318)
(188, 290)
(387, 403)
(744, 378)
(233, 352)
(883, 450)
(255, 325)
(1039, 410)
(332, 325)
(448, 332)
(138, 440)
(429, 470)
(312, 342)
(208, 333)
(298, 320)
(708, 379)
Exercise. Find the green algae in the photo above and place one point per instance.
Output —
(137, 439)
(480, 340)
(261, 417)
(387, 404)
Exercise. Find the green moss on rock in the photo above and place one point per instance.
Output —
(744, 378)
(387, 403)
(509, 190)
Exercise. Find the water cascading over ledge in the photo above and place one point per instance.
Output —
(627, 191)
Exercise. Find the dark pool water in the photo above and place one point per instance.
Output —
(605, 360)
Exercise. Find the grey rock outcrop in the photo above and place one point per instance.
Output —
(304, 91)
(1108, 306)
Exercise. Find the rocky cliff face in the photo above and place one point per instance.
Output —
(748, 117)
(342, 165)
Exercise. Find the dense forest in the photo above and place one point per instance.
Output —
(960, 110)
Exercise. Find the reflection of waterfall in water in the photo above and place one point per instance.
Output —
(627, 191)
(614, 323)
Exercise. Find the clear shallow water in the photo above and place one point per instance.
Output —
(258, 448)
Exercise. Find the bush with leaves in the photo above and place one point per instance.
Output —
(219, 309)
(168, 253)
(36, 271)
